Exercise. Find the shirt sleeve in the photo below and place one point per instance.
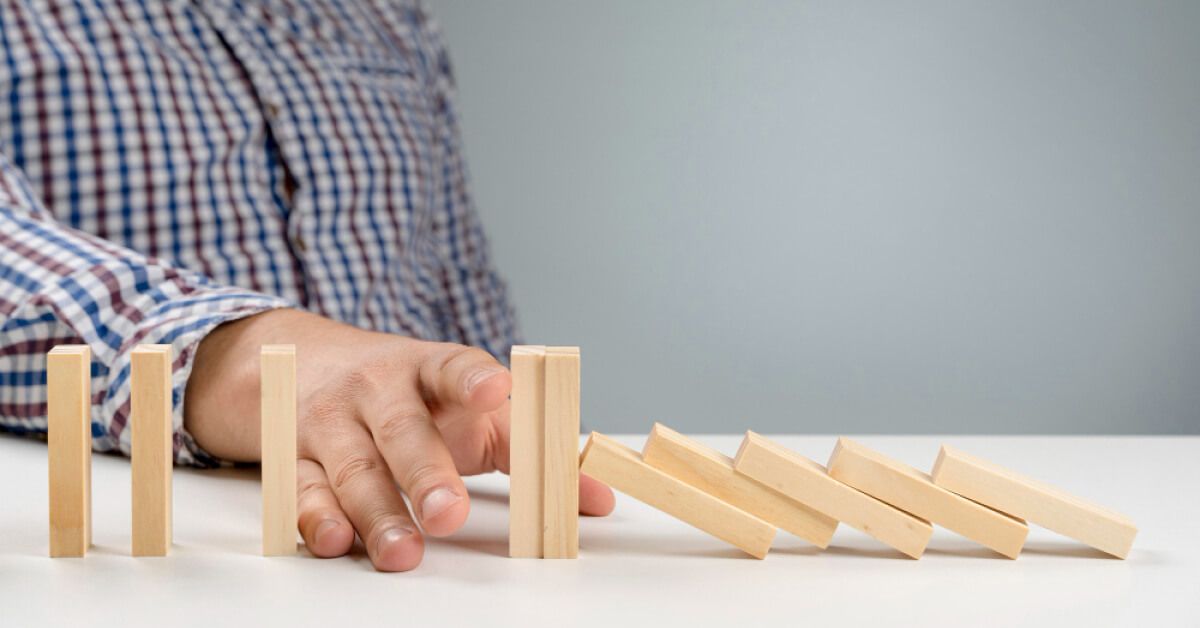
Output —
(61, 286)
(477, 307)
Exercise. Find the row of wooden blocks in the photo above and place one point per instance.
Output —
(68, 379)
(743, 500)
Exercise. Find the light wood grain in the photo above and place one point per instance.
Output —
(914, 492)
(712, 472)
(1037, 503)
(807, 482)
(527, 433)
(278, 399)
(561, 475)
(623, 469)
(69, 403)
(150, 421)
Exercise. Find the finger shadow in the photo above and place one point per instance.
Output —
(479, 544)
(490, 496)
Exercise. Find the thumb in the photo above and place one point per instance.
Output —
(464, 377)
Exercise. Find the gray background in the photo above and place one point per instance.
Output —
(848, 217)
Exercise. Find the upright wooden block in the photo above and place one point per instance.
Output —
(913, 491)
(278, 382)
(712, 472)
(561, 471)
(68, 400)
(527, 434)
(151, 458)
(624, 470)
(1049, 507)
(808, 483)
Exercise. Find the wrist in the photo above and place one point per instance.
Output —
(221, 400)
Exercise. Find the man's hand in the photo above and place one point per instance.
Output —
(375, 411)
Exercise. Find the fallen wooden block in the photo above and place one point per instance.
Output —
(712, 472)
(1049, 507)
(527, 433)
(623, 469)
(914, 492)
(69, 444)
(151, 455)
(808, 483)
(561, 471)
(278, 446)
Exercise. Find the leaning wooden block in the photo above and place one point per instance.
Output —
(68, 400)
(712, 472)
(913, 491)
(527, 433)
(560, 537)
(1049, 507)
(807, 482)
(624, 470)
(278, 446)
(151, 455)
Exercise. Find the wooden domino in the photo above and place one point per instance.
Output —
(527, 433)
(712, 472)
(68, 401)
(914, 492)
(151, 456)
(561, 471)
(278, 398)
(624, 470)
(807, 482)
(1049, 507)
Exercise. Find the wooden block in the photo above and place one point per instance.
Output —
(712, 472)
(151, 457)
(1049, 507)
(807, 482)
(914, 492)
(69, 403)
(624, 470)
(561, 471)
(527, 433)
(278, 390)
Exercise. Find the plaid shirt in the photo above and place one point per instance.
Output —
(169, 166)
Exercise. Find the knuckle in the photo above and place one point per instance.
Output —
(401, 425)
(420, 475)
(455, 354)
(352, 469)
(378, 520)
(358, 381)
(311, 489)
(325, 415)
(468, 355)
(369, 376)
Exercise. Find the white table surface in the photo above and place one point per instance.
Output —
(636, 567)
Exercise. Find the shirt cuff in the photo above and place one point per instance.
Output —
(179, 311)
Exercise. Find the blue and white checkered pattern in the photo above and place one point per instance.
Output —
(168, 166)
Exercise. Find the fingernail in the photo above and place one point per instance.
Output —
(478, 377)
(391, 537)
(437, 502)
(324, 527)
